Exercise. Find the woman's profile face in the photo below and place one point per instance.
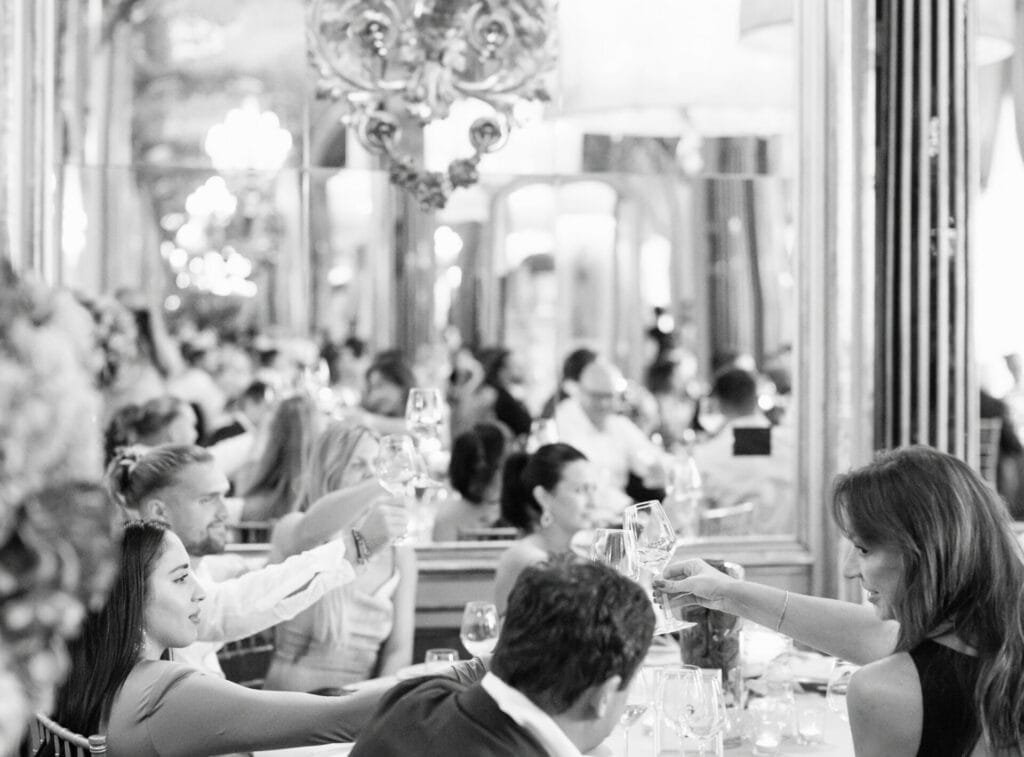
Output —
(360, 465)
(880, 571)
(171, 617)
(571, 503)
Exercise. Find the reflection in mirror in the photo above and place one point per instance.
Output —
(644, 233)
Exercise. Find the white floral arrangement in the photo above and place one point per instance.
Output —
(54, 530)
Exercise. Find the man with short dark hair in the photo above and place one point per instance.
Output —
(748, 460)
(574, 635)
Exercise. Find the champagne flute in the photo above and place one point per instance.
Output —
(396, 466)
(479, 630)
(638, 698)
(838, 683)
(654, 541)
(611, 547)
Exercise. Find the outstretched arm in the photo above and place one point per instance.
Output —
(201, 714)
(844, 629)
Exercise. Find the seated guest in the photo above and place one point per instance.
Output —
(749, 459)
(548, 496)
(592, 422)
(272, 486)
(364, 628)
(568, 385)
(388, 381)
(182, 486)
(164, 420)
(502, 373)
(123, 682)
(573, 638)
(248, 411)
(943, 646)
(475, 474)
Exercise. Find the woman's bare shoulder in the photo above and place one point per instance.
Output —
(886, 707)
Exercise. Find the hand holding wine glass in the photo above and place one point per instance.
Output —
(396, 465)
(654, 541)
(479, 630)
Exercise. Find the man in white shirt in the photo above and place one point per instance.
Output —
(182, 485)
(748, 459)
(573, 637)
(590, 421)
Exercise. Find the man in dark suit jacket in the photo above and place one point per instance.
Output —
(573, 637)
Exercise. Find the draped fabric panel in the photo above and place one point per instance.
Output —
(925, 170)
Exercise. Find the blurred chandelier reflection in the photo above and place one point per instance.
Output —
(248, 140)
(395, 62)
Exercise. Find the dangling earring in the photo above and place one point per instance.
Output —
(546, 519)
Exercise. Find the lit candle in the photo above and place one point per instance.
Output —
(766, 742)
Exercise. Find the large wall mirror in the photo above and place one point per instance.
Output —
(660, 184)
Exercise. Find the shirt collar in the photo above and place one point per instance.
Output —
(529, 717)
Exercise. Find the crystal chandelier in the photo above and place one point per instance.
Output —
(396, 62)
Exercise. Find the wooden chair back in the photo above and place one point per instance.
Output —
(66, 743)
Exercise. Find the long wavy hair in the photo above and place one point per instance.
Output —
(278, 472)
(330, 459)
(110, 643)
(961, 565)
(523, 473)
(477, 457)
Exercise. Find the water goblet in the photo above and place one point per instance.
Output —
(611, 547)
(479, 629)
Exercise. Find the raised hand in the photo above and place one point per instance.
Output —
(385, 520)
(693, 582)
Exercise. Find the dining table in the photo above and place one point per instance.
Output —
(835, 741)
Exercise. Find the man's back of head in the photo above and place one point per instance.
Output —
(570, 629)
(736, 392)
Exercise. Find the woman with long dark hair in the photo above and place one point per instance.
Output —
(474, 471)
(548, 496)
(123, 682)
(943, 649)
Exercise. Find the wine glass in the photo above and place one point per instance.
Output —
(692, 704)
(653, 540)
(611, 547)
(479, 630)
(638, 698)
(838, 683)
(396, 465)
(423, 413)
